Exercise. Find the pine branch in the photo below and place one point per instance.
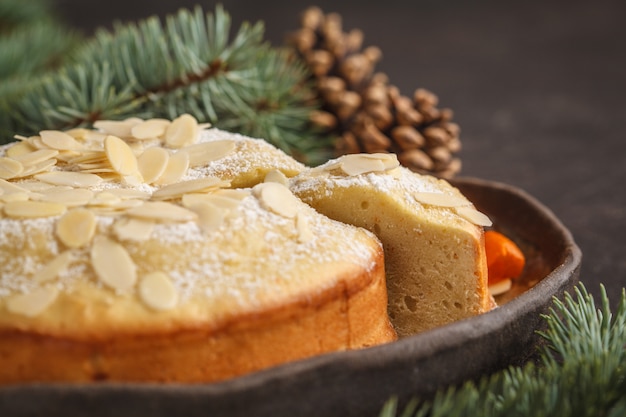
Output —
(187, 64)
(582, 371)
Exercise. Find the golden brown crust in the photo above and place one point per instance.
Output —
(348, 316)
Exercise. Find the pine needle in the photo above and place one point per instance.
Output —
(582, 371)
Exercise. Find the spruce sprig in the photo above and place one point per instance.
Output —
(189, 63)
(581, 371)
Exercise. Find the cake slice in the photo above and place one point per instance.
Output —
(431, 234)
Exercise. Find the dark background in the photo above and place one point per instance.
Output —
(538, 88)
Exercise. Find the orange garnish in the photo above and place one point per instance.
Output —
(505, 260)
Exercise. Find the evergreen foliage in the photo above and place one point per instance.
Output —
(581, 372)
(188, 63)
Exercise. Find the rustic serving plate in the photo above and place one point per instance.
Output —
(358, 383)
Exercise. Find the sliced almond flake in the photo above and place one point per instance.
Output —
(43, 166)
(331, 166)
(55, 139)
(105, 198)
(277, 199)
(204, 126)
(10, 168)
(389, 160)
(157, 291)
(79, 133)
(120, 206)
(177, 166)
(112, 264)
(210, 216)
(440, 199)
(23, 196)
(152, 163)
(76, 228)
(91, 157)
(130, 194)
(117, 128)
(120, 156)
(99, 171)
(134, 180)
(176, 190)
(236, 194)
(278, 176)
(33, 303)
(152, 128)
(72, 197)
(36, 142)
(474, 216)
(39, 187)
(304, 229)
(360, 164)
(32, 209)
(227, 203)
(8, 187)
(55, 267)
(37, 156)
(182, 131)
(500, 287)
(162, 211)
(65, 156)
(207, 152)
(133, 229)
(19, 149)
(73, 179)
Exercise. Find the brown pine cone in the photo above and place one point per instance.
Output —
(366, 112)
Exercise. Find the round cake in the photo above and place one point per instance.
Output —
(432, 235)
(164, 251)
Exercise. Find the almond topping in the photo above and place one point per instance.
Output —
(500, 287)
(177, 166)
(304, 230)
(153, 128)
(54, 267)
(192, 186)
(36, 157)
(76, 228)
(359, 164)
(206, 152)
(8, 187)
(474, 216)
(182, 131)
(277, 198)
(276, 175)
(116, 127)
(71, 197)
(162, 211)
(31, 209)
(33, 303)
(120, 156)
(133, 229)
(152, 163)
(18, 149)
(61, 141)
(440, 199)
(210, 216)
(113, 265)
(10, 168)
(43, 166)
(73, 179)
(157, 291)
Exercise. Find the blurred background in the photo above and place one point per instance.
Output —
(537, 88)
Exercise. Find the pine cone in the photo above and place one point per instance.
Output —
(363, 109)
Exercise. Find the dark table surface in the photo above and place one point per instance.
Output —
(538, 88)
